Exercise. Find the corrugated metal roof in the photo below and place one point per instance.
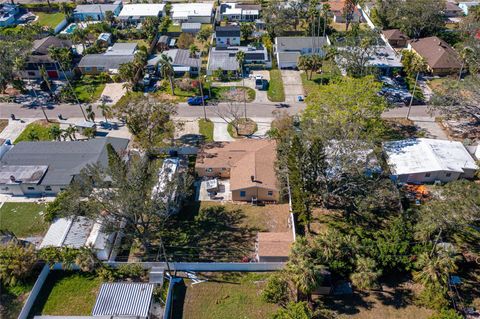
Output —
(56, 233)
(79, 232)
(124, 299)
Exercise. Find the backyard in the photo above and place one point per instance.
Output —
(36, 131)
(276, 92)
(67, 293)
(23, 219)
(224, 295)
(49, 19)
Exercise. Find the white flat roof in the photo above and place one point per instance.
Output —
(185, 10)
(57, 233)
(142, 10)
(427, 155)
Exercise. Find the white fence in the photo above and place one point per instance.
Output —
(34, 293)
(209, 267)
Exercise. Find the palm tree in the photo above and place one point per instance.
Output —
(54, 53)
(46, 79)
(55, 132)
(166, 69)
(70, 132)
(33, 136)
(240, 56)
(418, 65)
(193, 50)
(465, 55)
(366, 273)
(127, 72)
(80, 36)
(325, 10)
(66, 9)
(434, 270)
(106, 110)
(90, 113)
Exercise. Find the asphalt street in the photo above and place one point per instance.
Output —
(258, 110)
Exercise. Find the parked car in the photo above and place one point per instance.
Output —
(261, 84)
(196, 100)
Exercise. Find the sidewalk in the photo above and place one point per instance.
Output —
(220, 130)
(14, 129)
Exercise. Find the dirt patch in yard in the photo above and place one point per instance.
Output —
(242, 128)
(3, 124)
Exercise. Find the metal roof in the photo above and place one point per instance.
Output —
(106, 61)
(124, 299)
(29, 174)
(96, 8)
(56, 233)
(141, 10)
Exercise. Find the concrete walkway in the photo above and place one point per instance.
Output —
(220, 130)
(112, 93)
(263, 126)
(429, 125)
(14, 129)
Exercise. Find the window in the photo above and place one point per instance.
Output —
(448, 174)
(243, 193)
(48, 188)
(209, 170)
(87, 68)
(427, 175)
(270, 193)
(30, 188)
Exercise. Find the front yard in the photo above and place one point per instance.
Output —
(67, 293)
(233, 93)
(206, 129)
(276, 92)
(88, 89)
(225, 295)
(23, 219)
(49, 19)
(36, 131)
(329, 72)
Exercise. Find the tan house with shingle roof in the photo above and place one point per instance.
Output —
(396, 38)
(249, 164)
(441, 58)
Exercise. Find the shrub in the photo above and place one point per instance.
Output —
(433, 298)
(276, 290)
(16, 263)
(130, 271)
(446, 314)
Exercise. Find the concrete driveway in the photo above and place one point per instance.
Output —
(220, 130)
(112, 93)
(292, 84)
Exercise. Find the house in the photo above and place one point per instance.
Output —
(109, 61)
(227, 36)
(39, 58)
(273, 247)
(337, 9)
(249, 164)
(37, 168)
(467, 5)
(124, 299)
(192, 12)
(79, 232)
(139, 11)
(225, 59)
(163, 43)
(238, 12)
(191, 27)
(8, 11)
(96, 12)
(182, 61)
(426, 160)
(441, 58)
(395, 38)
(104, 39)
(287, 50)
(452, 10)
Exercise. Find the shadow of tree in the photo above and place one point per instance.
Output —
(348, 304)
(209, 234)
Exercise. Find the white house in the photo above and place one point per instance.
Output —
(78, 232)
(238, 12)
(426, 160)
(192, 12)
(139, 11)
(466, 5)
(287, 50)
(96, 11)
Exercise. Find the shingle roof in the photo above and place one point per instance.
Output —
(105, 61)
(298, 43)
(245, 158)
(437, 53)
(124, 299)
(41, 46)
(394, 34)
(64, 159)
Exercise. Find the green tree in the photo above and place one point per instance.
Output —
(246, 30)
(294, 310)
(446, 314)
(435, 269)
(366, 273)
(106, 110)
(150, 27)
(193, 50)
(16, 263)
(55, 132)
(276, 290)
(204, 34)
(166, 69)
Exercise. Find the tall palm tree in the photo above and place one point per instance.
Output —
(325, 11)
(240, 56)
(90, 113)
(434, 270)
(193, 49)
(419, 65)
(166, 69)
(106, 110)
(70, 132)
(80, 36)
(465, 55)
(54, 53)
(55, 132)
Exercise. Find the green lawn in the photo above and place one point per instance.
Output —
(23, 219)
(276, 92)
(329, 72)
(13, 298)
(224, 296)
(39, 129)
(88, 89)
(206, 129)
(67, 293)
(174, 28)
(49, 19)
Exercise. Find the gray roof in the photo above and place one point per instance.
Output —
(225, 58)
(41, 46)
(191, 26)
(179, 57)
(299, 43)
(105, 61)
(95, 8)
(288, 57)
(64, 159)
(228, 31)
(28, 174)
(124, 299)
(78, 233)
(122, 48)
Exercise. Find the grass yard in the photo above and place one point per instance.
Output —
(88, 89)
(233, 93)
(49, 19)
(174, 28)
(23, 219)
(139, 42)
(3, 124)
(38, 130)
(224, 296)
(206, 129)
(276, 92)
(330, 71)
(67, 293)
(13, 298)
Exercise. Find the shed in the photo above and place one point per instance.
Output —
(124, 299)
(191, 27)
